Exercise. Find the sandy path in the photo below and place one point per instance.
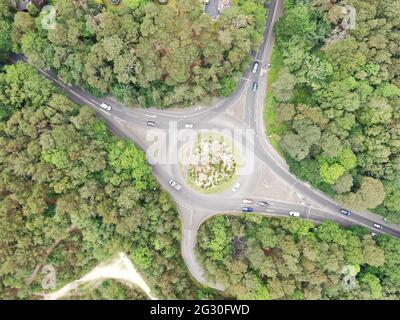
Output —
(119, 269)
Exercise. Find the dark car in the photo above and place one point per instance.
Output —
(247, 209)
(255, 86)
(151, 124)
(263, 203)
(345, 212)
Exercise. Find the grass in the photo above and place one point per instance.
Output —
(217, 189)
(225, 185)
(273, 128)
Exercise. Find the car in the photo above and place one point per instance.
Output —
(263, 203)
(151, 124)
(345, 212)
(175, 185)
(294, 214)
(247, 209)
(255, 67)
(247, 201)
(377, 226)
(236, 186)
(189, 125)
(255, 86)
(373, 234)
(105, 107)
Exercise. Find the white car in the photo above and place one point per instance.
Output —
(105, 107)
(377, 226)
(236, 186)
(189, 125)
(255, 67)
(175, 185)
(247, 201)
(294, 214)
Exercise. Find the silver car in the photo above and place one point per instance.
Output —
(236, 186)
(175, 185)
(255, 67)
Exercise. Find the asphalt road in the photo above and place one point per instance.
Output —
(194, 207)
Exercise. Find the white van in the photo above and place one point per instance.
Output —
(247, 201)
(294, 214)
(105, 107)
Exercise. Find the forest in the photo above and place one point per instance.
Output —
(255, 257)
(147, 55)
(73, 195)
(337, 99)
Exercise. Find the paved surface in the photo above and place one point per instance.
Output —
(194, 207)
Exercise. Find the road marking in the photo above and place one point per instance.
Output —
(107, 113)
(122, 121)
(309, 210)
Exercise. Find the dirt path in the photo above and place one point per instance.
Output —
(120, 268)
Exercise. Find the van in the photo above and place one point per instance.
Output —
(247, 201)
(105, 107)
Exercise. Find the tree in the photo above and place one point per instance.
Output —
(373, 255)
(282, 87)
(228, 86)
(297, 22)
(344, 183)
(370, 194)
(298, 144)
(5, 37)
(373, 282)
(286, 112)
(331, 145)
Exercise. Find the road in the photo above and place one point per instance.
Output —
(194, 207)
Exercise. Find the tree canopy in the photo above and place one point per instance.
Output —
(256, 257)
(72, 195)
(337, 97)
(145, 53)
